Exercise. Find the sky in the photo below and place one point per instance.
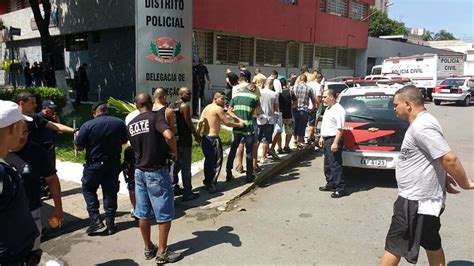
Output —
(455, 16)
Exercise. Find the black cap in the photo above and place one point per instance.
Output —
(49, 104)
(95, 105)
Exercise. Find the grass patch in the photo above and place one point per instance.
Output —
(82, 113)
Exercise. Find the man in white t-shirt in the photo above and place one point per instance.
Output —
(128, 166)
(331, 141)
(425, 171)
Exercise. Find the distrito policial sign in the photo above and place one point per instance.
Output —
(163, 37)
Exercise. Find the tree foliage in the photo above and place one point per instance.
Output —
(428, 35)
(443, 35)
(380, 24)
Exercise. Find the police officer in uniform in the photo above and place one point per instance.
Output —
(102, 138)
(17, 229)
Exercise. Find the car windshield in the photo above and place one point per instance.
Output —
(453, 82)
(369, 107)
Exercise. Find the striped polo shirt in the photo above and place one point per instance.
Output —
(242, 105)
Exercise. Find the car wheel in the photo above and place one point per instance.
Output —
(467, 101)
(437, 102)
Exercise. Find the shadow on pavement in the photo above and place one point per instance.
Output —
(124, 262)
(291, 172)
(207, 239)
(460, 263)
(72, 223)
(366, 179)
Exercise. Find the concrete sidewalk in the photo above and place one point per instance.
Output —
(205, 207)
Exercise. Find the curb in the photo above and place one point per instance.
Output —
(274, 170)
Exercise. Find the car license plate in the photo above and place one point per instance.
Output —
(377, 162)
(446, 90)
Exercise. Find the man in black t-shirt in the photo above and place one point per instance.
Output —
(27, 103)
(244, 72)
(17, 228)
(202, 75)
(231, 80)
(185, 132)
(31, 162)
(154, 143)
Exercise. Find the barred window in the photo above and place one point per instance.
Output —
(338, 7)
(345, 58)
(234, 50)
(308, 50)
(322, 5)
(14, 5)
(326, 56)
(271, 53)
(358, 10)
(205, 44)
(293, 54)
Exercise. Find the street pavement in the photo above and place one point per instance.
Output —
(285, 221)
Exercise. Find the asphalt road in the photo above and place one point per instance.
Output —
(290, 222)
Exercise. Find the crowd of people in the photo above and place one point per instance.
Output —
(159, 137)
(39, 74)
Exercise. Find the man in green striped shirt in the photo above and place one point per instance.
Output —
(242, 106)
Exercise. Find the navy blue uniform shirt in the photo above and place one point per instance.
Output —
(102, 137)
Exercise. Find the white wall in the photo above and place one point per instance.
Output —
(382, 49)
(76, 16)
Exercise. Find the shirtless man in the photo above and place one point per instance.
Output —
(209, 127)
(309, 76)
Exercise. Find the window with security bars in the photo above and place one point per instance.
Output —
(293, 54)
(322, 5)
(232, 49)
(326, 56)
(308, 50)
(358, 10)
(345, 58)
(337, 7)
(14, 5)
(271, 53)
(205, 44)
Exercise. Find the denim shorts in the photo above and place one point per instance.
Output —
(153, 191)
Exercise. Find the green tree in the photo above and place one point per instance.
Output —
(380, 24)
(428, 36)
(444, 35)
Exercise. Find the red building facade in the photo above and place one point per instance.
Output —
(324, 22)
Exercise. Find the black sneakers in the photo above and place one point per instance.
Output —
(338, 194)
(190, 196)
(111, 228)
(229, 178)
(327, 188)
(95, 226)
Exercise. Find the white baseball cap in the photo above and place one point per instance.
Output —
(10, 114)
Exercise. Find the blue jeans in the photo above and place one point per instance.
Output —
(212, 149)
(153, 190)
(301, 120)
(249, 141)
(333, 165)
(104, 174)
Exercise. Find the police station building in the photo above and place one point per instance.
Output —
(330, 35)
